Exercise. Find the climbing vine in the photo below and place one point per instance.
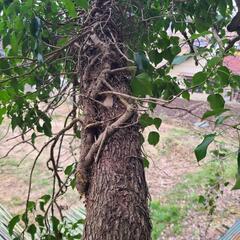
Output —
(112, 61)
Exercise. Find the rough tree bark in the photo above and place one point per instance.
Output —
(110, 172)
(234, 25)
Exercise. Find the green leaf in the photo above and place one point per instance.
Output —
(202, 199)
(69, 169)
(198, 35)
(13, 223)
(5, 66)
(47, 128)
(145, 120)
(201, 149)
(223, 7)
(14, 44)
(4, 96)
(175, 50)
(214, 61)
(216, 102)
(237, 183)
(55, 223)
(141, 85)
(73, 183)
(43, 201)
(208, 114)
(155, 56)
(25, 218)
(45, 198)
(62, 41)
(199, 78)
(168, 55)
(153, 138)
(31, 206)
(35, 27)
(69, 5)
(2, 113)
(40, 220)
(202, 24)
(33, 137)
(157, 122)
(145, 163)
(186, 95)
(32, 230)
(224, 75)
(214, 113)
(78, 134)
(82, 3)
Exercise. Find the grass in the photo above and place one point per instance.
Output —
(170, 211)
(17, 201)
(164, 215)
(9, 162)
(176, 136)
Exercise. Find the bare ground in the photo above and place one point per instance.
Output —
(170, 161)
(167, 170)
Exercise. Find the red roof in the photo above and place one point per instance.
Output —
(233, 64)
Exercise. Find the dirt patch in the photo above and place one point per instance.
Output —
(168, 169)
(170, 161)
(15, 168)
(189, 114)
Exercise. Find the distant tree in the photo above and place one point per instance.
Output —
(103, 55)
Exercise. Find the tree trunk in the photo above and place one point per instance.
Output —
(110, 172)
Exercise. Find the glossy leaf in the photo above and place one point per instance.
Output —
(216, 102)
(224, 75)
(69, 169)
(201, 149)
(199, 78)
(32, 230)
(13, 223)
(157, 122)
(153, 138)
(43, 201)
